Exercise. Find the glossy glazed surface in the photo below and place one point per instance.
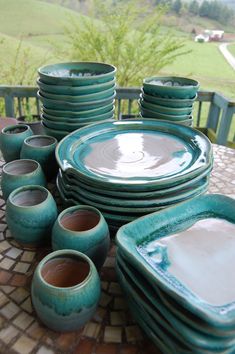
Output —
(30, 213)
(65, 308)
(77, 73)
(19, 173)
(135, 153)
(82, 228)
(206, 247)
(155, 262)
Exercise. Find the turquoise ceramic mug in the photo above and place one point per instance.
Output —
(65, 290)
(42, 149)
(11, 140)
(21, 173)
(82, 228)
(30, 214)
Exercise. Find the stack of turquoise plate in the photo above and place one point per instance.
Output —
(168, 98)
(176, 269)
(127, 169)
(75, 94)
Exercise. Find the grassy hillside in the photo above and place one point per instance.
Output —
(20, 61)
(32, 17)
(41, 25)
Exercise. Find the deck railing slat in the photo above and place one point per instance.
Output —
(219, 118)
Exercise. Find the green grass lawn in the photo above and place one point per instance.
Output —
(32, 17)
(231, 48)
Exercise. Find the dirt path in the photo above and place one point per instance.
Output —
(227, 55)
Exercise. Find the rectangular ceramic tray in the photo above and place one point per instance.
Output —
(145, 242)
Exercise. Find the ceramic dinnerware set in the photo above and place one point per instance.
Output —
(75, 94)
(175, 267)
(127, 169)
(168, 98)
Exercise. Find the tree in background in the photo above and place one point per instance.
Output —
(176, 6)
(194, 7)
(126, 34)
(216, 11)
(204, 9)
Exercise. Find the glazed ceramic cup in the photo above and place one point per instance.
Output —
(21, 173)
(11, 140)
(42, 149)
(82, 228)
(30, 214)
(65, 290)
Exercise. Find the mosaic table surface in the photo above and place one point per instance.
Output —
(112, 330)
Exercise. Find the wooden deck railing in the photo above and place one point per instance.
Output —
(213, 113)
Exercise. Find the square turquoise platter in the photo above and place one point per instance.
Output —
(188, 252)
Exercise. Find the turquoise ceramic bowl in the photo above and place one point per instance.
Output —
(65, 290)
(70, 127)
(82, 228)
(77, 73)
(80, 114)
(171, 87)
(80, 98)
(169, 102)
(42, 149)
(30, 214)
(77, 107)
(163, 109)
(21, 173)
(148, 113)
(73, 120)
(11, 140)
(75, 90)
(187, 122)
(58, 134)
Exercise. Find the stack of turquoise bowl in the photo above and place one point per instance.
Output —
(127, 169)
(175, 269)
(168, 98)
(74, 95)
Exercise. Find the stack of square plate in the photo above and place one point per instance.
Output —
(176, 269)
(131, 168)
(169, 98)
(75, 95)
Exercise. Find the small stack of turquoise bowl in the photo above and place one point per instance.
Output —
(168, 98)
(74, 95)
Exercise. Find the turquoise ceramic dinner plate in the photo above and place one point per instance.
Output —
(135, 154)
(188, 252)
(177, 335)
(77, 73)
(75, 90)
(112, 218)
(135, 203)
(203, 337)
(179, 188)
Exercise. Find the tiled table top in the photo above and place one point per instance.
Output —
(112, 330)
